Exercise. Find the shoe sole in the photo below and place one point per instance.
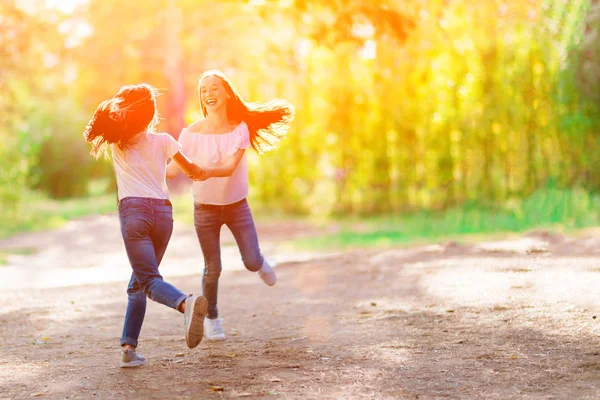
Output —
(195, 331)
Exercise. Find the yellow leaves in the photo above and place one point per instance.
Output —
(455, 135)
(496, 128)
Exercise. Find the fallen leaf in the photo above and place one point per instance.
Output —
(217, 388)
(231, 355)
(374, 304)
(179, 355)
(513, 357)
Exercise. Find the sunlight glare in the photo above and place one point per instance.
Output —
(66, 6)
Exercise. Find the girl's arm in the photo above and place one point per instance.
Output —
(225, 168)
(193, 171)
(172, 169)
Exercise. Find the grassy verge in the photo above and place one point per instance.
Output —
(5, 254)
(552, 209)
(563, 210)
(38, 212)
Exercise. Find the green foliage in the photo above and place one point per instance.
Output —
(401, 106)
(64, 164)
(43, 213)
(547, 208)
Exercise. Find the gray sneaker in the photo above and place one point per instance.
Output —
(132, 359)
(195, 311)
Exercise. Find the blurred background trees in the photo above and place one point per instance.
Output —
(401, 105)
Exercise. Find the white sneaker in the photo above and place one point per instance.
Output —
(267, 274)
(213, 330)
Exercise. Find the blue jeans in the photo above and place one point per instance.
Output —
(208, 220)
(146, 226)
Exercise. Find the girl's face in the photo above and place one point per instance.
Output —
(213, 94)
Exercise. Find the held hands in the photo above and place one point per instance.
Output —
(197, 173)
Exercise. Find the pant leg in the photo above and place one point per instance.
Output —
(162, 230)
(134, 316)
(137, 227)
(207, 221)
(239, 220)
(161, 235)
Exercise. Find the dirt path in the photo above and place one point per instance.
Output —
(504, 320)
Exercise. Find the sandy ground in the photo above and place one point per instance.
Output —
(511, 319)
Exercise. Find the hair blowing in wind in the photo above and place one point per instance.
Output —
(268, 122)
(116, 120)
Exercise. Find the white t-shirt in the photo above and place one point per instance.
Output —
(205, 149)
(141, 166)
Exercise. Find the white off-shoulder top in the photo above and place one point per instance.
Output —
(204, 149)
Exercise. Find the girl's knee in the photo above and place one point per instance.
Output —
(136, 295)
(147, 285)
(253, 264)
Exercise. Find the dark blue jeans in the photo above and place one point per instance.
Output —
(208, 220)
(146, 226)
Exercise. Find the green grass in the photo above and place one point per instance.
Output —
(551, 209)
(38, 212)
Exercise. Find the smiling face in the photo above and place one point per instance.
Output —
(213, 95)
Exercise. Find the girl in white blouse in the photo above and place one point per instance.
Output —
(218, 143)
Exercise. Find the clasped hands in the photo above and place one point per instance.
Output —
(197, 173)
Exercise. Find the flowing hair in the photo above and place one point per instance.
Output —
(116, 120)
(268, 123)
